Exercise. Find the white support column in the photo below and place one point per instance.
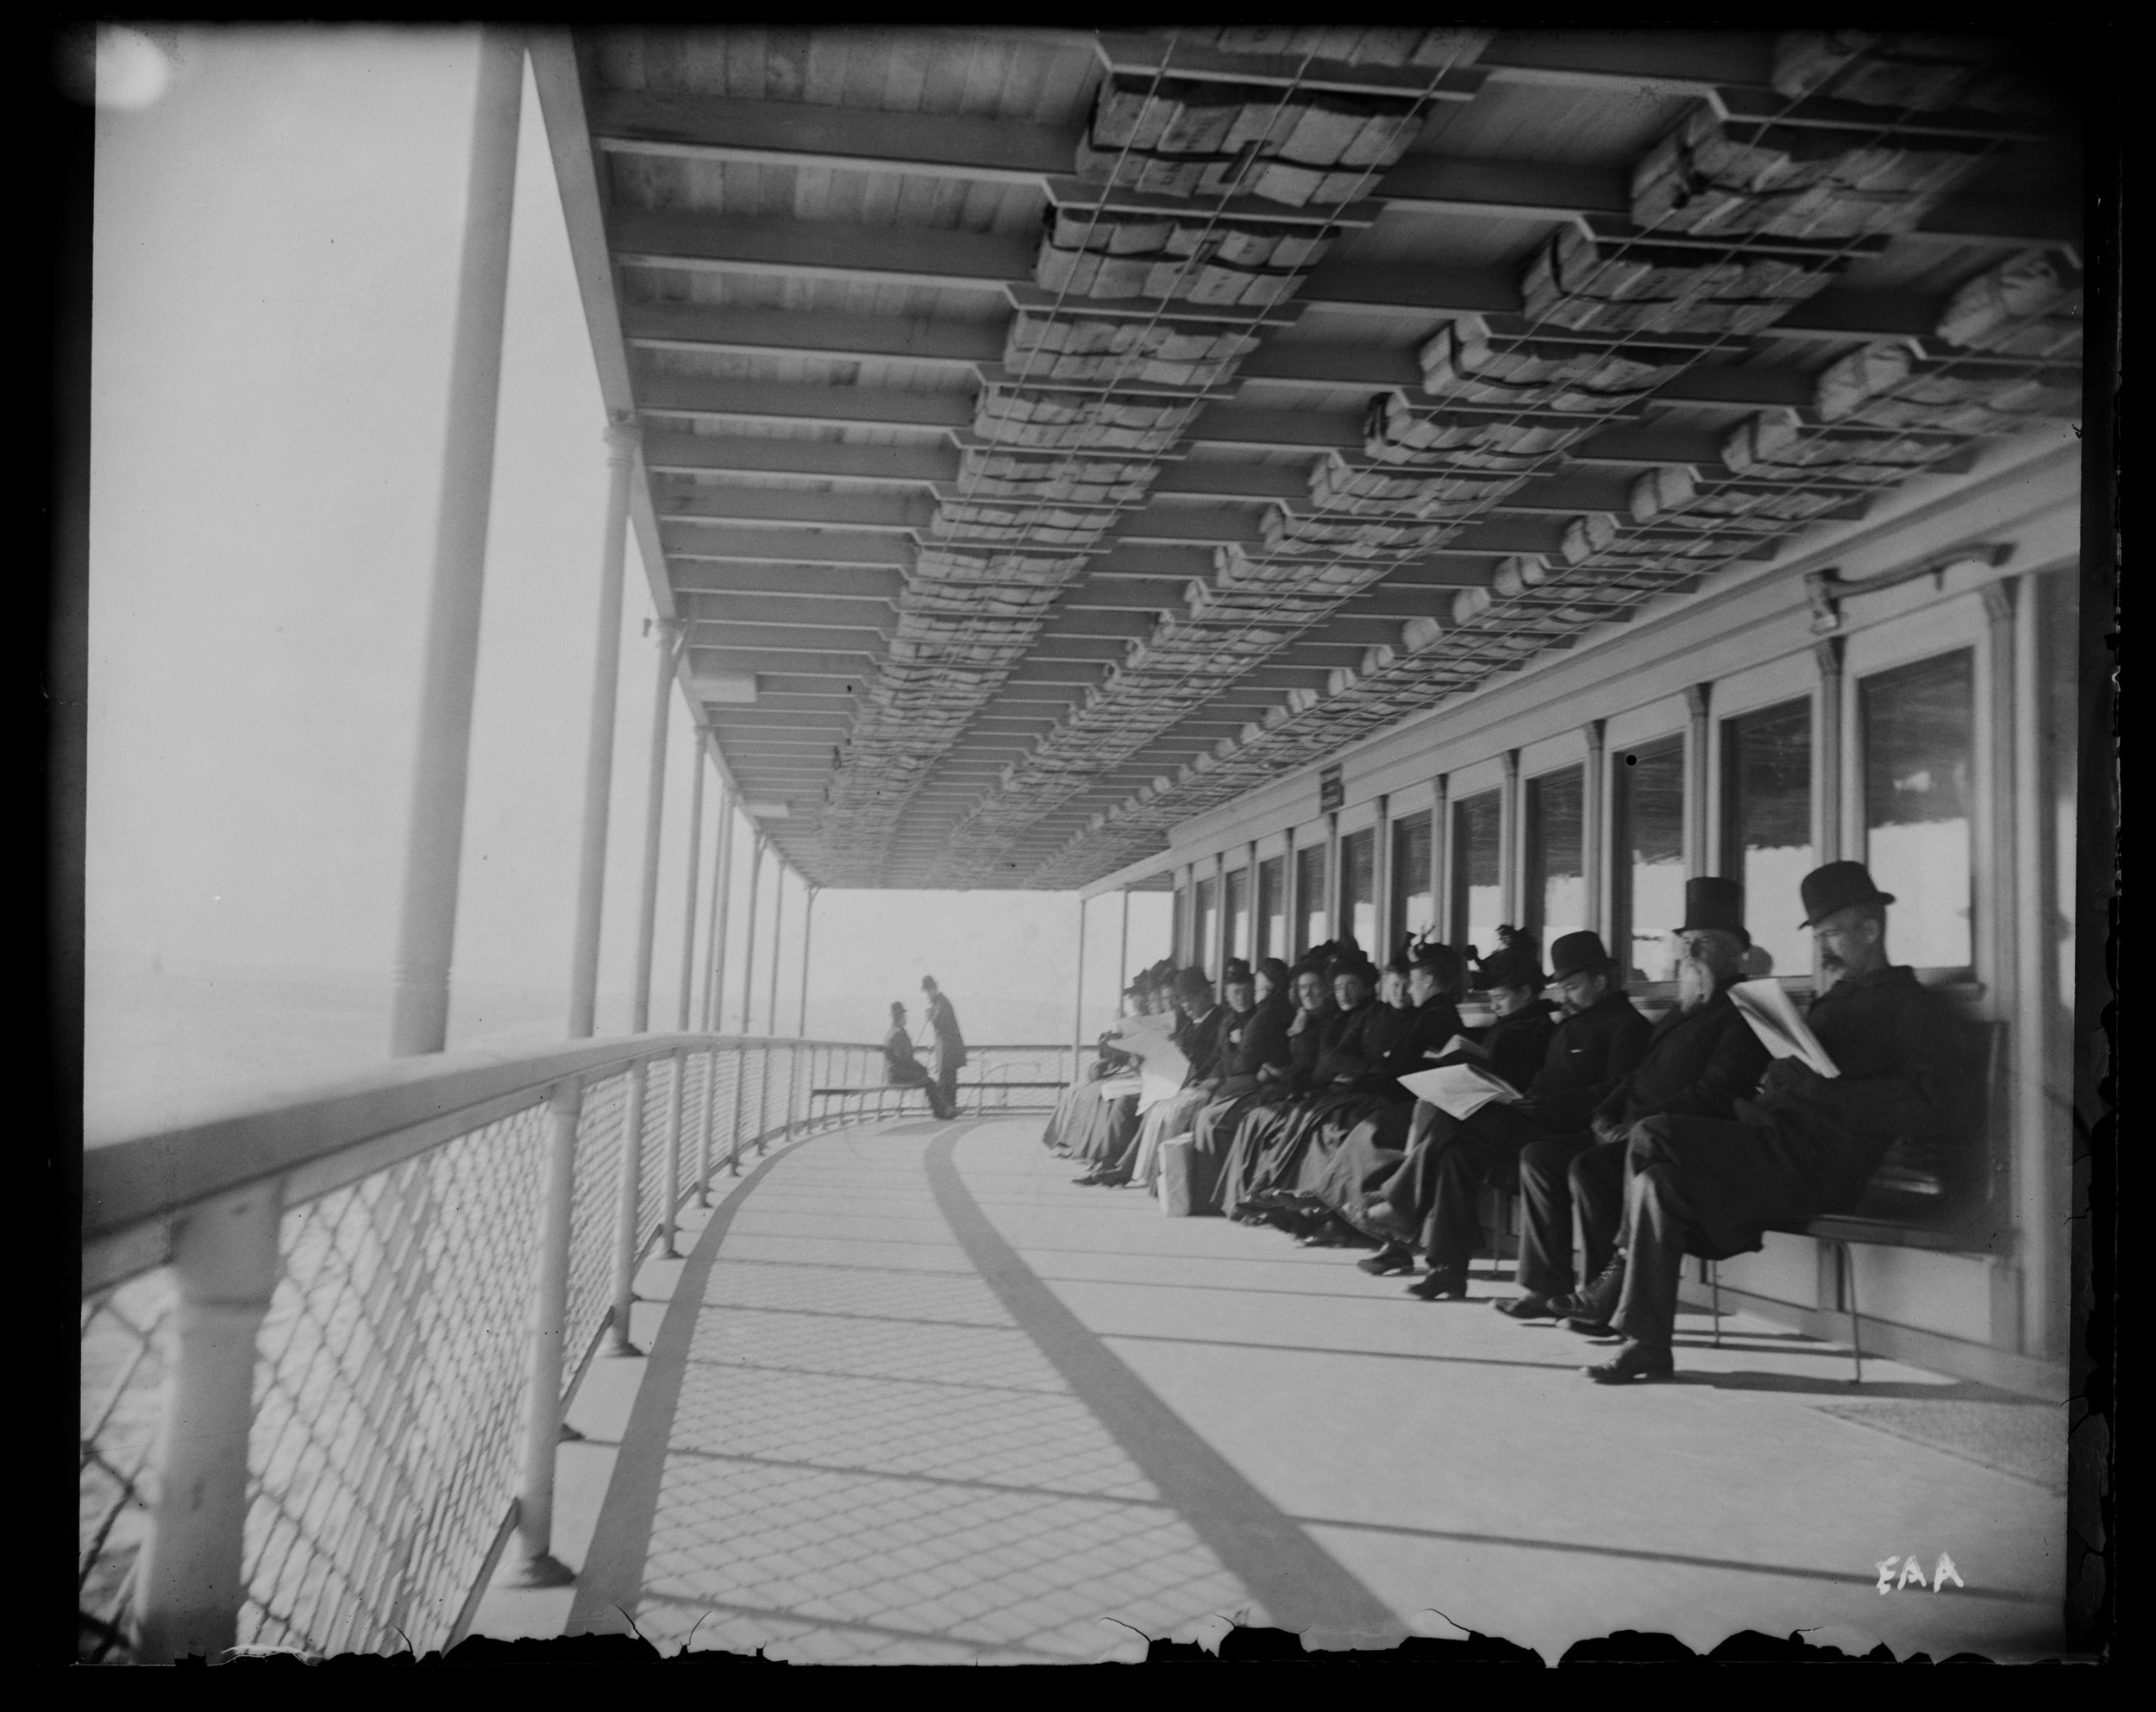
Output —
(749, 947)
(1441, 866)
(598, 750)
(190, 1579)
(721, 907)
(808, 937)
(689, 886)
(1594, 838)
(1078, 1003)
(434, 838)
(1699, 734)
(545, 1359)
(627, 1233)
(778, 940)
(1511, 880)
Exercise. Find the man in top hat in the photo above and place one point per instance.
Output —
(902, 1069)
(1804, 1144)
(1701, 1059)
(1435, 1192)
(950, 1045)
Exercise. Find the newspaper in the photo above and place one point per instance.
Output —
(1114, 1088)
(1162, 1068)
(1774, 1020)
(1460, 1089)
(1461, 1046)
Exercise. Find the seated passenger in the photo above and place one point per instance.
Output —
(1259, 1055)
(1435, 1192)
(1805, 1144)
(1429, 1021)
(1107, 1063)
(1101, 1129)
(1204, 1016)
(1315, 1017)
(902, 1069)
(1273, 1137)
(1701, 1059)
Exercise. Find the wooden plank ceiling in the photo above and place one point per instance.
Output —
(1056, 434)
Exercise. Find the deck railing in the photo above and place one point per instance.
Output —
(327, 1340)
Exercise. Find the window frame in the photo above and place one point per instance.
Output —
(1620, 914)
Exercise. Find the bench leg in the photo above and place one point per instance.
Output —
(1847, 1262)
(1714, 1289)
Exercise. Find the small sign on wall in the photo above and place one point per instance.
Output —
(1331, 793)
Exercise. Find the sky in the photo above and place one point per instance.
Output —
(276, 240)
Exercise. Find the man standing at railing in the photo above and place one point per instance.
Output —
(950, 1045)
(902, 1069)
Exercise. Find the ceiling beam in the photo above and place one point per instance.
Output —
(679, 454)
(819, 249)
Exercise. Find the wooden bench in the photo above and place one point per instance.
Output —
(1939, 1195)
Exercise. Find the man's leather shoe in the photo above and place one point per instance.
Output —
(1633, 1360)
(1450, 1284)
(1529, 1306)
(1588, 1310)
(1393, 1257)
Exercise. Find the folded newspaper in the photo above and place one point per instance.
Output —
(1775, 1019)
(1460, 1089)
(1162, 1068)
(1460, 1046)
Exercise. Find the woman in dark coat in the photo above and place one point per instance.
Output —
(1315, 1019)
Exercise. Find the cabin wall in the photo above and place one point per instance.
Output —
(1986, 906)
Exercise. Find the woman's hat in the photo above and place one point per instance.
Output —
(1713, 904)
(1517, 961)
(1582, 953)
(1237, 973)
(1275, 971)
(1839, 886)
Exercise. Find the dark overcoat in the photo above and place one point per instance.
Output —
(1518, 1044)
(1591, 1052)
(1698, 1064)
(1806, 1145)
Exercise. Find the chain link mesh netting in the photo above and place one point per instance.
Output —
(391, 1367)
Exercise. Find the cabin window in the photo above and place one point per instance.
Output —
(1358, 886)
(1236, 913)
(1557, 870)
(1767, 825)
(1478, 882)
(1919, 736)
(1272, 908)
(1647, 838)
(1310, 914)
(1411, 900)
(1205, 925)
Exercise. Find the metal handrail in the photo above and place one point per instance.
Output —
(393, 1110)
(326, 1330)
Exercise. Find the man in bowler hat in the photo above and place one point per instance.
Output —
(1701, 1059)
(1804, 1144)
(1437, 1188)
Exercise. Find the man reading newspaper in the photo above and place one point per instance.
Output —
(1806, 1143)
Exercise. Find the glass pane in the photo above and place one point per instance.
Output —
(1358, 880)
(1203, 942)
(1919, 758)
(1478, 891)
(1648, 816)
(1310, 911)
(1411, 875)
(1767, 825)
(1556, 873)
(1239, 912)
(1272, 907)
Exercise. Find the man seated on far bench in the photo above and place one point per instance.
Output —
(1701, 1058)
(1805, 1144)
(902, 1069)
